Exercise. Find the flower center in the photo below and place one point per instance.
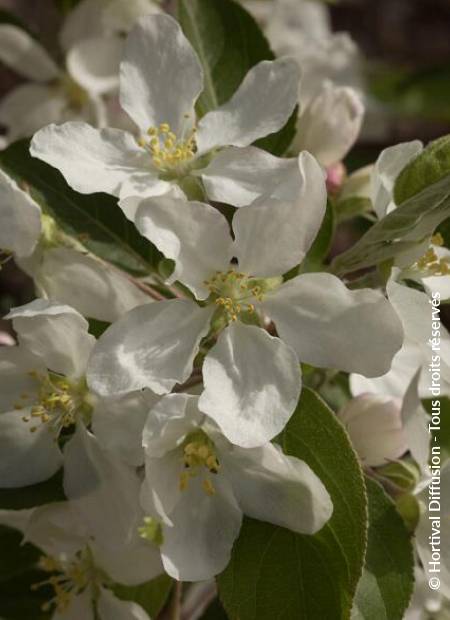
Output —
(430, 263)
(169, 153)
(75, 94)
(233, 292)
(59, 402)
(69, 578)
(199, 454)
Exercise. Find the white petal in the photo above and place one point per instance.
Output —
(27, 457)
(118, 424)
(193, 234)
(16, 363)
(293, 224)
(56, 333)
(252, 384)
(29, 107)
(25, 55)
(92, 160)
(331, 123)
(56, 530)
(121, 16)
(388, 166)
(168, 423)
(160, 75)
(375, 427)
(198, 544)
(160, 491)
(261, 105)
(80, 606)
(82, 22)
(94, 64)
(99, 485)
(415, 422)
(280, 489)
(130, 564)
(151, 346)
(330, 326)
(92, 287)
(238, 176)
(20, 218)
(111, 608)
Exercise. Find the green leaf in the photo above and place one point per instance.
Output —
(94, 219)
(228, 42)
(429, 167)
(19, 602)
(387, 581)
(320, 249)
(151, 596)
(275, 573)
(352, 207)
(400, 231)
(50, 490)
(278, 143)
(15, 558)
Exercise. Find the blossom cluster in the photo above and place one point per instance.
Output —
(165, 425)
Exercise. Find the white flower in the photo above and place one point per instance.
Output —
(161, 79)
(426, 603)
(252, 379)
(90, 541)
(330, 124)
(55, 94)
(43, 389)
(199, 485)
(414, 310)
(71, 276)
(383, 428)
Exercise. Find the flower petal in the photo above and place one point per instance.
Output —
(16, 363)
(203, 527)
(280, 489)
(388, 166)
(294, 224)
(118, 424)
(252, 384)
(80, 606)
(130, 564)
(261, 105)
(415, 422)
(94, 288)
(20, 218)
(30, 107)
(330, 326)
(94, 64)
(195, 235)
(375, 427)
(330, 124)
(112, 608)
(238, 176)
(160, 75)
(25, 55)
(57, 334)
(97, 484)
(92, 160)
(27, 457)
(151, 346)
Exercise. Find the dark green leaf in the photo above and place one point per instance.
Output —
(228, 42)
(387, 581)
(96, 220)
(319, 250)
(15, 558)
(50, 490)
(275, 573)
(278, 143)
(151, 596)
(19, 602)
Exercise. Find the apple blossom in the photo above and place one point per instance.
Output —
(173, 146)
(199, 485)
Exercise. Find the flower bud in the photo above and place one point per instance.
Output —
(330, 124)
(375, 427)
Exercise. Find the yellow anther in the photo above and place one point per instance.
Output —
(152, 131)
(250, 308)
(437, 239)
(154, 142)
(208, 487)
(164, 128)
(184, 481)
(141, 142)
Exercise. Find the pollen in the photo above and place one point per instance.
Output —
(430, 264)
(169, 152)
(59, 402)
(199, 458)
(233, 292)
